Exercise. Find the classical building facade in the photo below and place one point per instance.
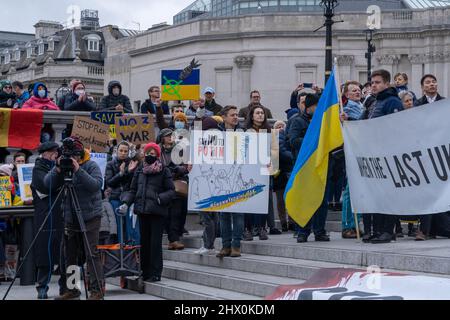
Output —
(55, 54)
(275, 52)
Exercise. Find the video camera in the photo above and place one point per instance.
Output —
(67, 152)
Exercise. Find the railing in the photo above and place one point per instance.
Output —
(402, 15)
(96, 71)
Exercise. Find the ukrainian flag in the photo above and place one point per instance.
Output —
(172, 88)
(305, 190)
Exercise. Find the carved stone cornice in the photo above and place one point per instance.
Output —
(345, 60)
(388, 59)
(244, 62)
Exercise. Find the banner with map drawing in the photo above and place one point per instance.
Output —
(227, 174)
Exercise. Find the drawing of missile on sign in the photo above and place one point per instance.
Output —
(181, 84)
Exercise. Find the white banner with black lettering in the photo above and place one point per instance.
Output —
(400, 164)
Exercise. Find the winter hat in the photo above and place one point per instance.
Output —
(75, 84)
(6, 169)
(209, 124)
(47, 146)
(292, 112)
(153, 146)
(279, 122)
(163, 133)
(180, 117)
(311, 100)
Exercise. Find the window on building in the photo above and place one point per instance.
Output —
(7, 57)
(29, 52)
(17, 55)
(41, 48)
(93, 45)
(93, 42)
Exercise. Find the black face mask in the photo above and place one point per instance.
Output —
(150, 159)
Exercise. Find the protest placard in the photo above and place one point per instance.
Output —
(93, 134)
(108, 118)
(136, 129)
(5, 192)
(101, 159)
(25, 173)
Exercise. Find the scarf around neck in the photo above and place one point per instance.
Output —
(152, 168)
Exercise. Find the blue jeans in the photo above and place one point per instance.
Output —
(231, 228)
(348, 218)
(130, 234)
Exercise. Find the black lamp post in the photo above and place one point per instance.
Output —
(370, 49)
(329, 6)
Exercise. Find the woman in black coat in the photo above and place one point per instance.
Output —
(79, 100)
(48, 245)
(118, 176)
(151, 191)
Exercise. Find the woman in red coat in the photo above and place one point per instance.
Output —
(40, 99)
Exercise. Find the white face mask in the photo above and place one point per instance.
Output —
(79, 92)
(42, 93)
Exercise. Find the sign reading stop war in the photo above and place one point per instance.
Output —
(135, 129)
(93, 134)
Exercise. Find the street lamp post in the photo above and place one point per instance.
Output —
(370, 50)
(329, 6)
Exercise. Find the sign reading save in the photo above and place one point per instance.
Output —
(136, 129)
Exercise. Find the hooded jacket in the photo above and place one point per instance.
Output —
(387, 102)
(110, 102)
(88, 182)
(214, 107)
(6, 100)
(38, 103)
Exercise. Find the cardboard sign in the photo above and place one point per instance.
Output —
(135, 129)
(173, 88)
(5, 193)
(25, 173)
(92, 134)
(108, 118)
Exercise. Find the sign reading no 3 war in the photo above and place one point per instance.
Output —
(400, 164)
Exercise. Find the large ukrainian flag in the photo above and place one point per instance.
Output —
(306, 188)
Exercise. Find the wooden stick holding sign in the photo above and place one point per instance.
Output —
(93, 134)
(136, 129)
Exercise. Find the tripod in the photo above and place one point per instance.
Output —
(68, 190)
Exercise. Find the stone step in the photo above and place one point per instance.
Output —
(296, 269)
(254, 284)
(333, 226)
(404, 255)
(170, 289)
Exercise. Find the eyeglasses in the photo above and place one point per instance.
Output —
(8, 87)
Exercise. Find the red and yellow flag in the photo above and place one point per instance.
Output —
(20, 128)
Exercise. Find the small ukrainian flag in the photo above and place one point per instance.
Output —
(305, 190)
(172, 88)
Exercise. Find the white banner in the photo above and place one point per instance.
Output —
(102, 160)
(25, 174)
(229, 172)
(400, 164)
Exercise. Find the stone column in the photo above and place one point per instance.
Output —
(244, 64)
(444, 87)
(387, 62)
(345, 63)
(417, 61)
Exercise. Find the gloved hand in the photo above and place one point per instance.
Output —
(123, 209)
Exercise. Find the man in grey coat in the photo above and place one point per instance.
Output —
(87, 181)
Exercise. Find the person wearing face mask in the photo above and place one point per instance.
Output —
(51, 235)
(176, 109)
(40, 99)
(152, 191)
(197, 109)
(78, 100)
(7, 96)
(118, 175)
(115, 100)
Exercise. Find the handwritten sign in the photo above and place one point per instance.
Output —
(5, 192)
(108, 118)
(25, 173)
(135, 129)
(92, 134)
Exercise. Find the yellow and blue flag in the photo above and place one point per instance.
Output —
(305, 190)
(172, 88)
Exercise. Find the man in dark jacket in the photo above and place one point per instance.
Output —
(115, 101)
(48, 244)
(255, 100)
(430, 90)
(154, 101)
(387, 102)
(210, 102)
(87, 181)
(78, 100)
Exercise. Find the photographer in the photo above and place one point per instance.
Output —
(48, 244)
(86, 178)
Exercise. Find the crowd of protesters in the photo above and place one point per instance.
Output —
(146, 186)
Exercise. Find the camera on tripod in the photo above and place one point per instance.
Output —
(67, 152)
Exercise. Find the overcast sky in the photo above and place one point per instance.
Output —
(20, 16)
